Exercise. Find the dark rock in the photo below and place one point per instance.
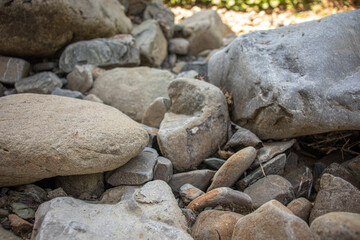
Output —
(272, 187)
(198, 66)
(44, 83)
(163, 169)
(20, 226)
(44, 66)
(243, 137)
(273, 167)
(302, 181)
(214, 163)
(198, 178)
(67, 93)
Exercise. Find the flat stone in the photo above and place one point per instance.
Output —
(271, 221)
(20, 226)
(118, 51)
(86, 187)
(163, 15)
(151, 42)
(214, 163)
(114, 195)
(189, 193)
(301, 180)
(243, 137)
(43, 28)
(179, 46)
(212, 224)
(163, 169)
(271, 187)
(132, 90)
(196, 124)
(67, 93)
(269, 150)
(297, 93)
(88, 143)
(233, 168)
(226, 197)
(198, 178)
(301, 207)
(273, 167)
(44, 83)
(204, 30)
(337, 225)
(155, 112)
(137, 171)
(22, 210)
(150, 212)
(80, 79)
(13, 69)
(335, 195)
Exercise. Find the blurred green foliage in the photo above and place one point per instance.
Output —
(257, 5)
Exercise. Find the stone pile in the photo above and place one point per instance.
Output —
(216, 156)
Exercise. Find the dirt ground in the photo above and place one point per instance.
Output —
(245, 22)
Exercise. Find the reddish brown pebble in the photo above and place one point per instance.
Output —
(20, 226)
(226, 197)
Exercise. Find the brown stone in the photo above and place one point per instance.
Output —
(213, 224)
(335, 195)
(301, 207)
(163, 169)
(189, 193)
(272, 221)
(20, 226)
(226, 197)
(233, 168)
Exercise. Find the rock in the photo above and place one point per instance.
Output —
(154, 114)
(5, 234)
(150, 212)
(198, 66)
(335, 195)
(93, 98)
(136, 7)
(188, 74)
(198, 178)
(151, 42)
(176, 69)
(3, 213)
(273, 167)
(163, 15)
(301, 207)
(261, 224)
(190, 216)
(89, 142)
(152, 133)
(337, 170)
(214, 224)
(296, 94)
(233, 168)
(80, 79)
(337, 225)
(269, 150)
(132, 90)
(118, 51)
(58, 192)
(243, 137)
(301, 180)
(214, 163)
(272, 187)
(36, 192)
(44, 83)
(189, 193)
(179, 46)
(114, 195)
(137, 171)
(22, 210)
(86, 187)
(204, 30)
(226, 197)
(163, 169)
(354, 166)
(44, 66)
(20, 226)
(196, 124)
(67, 93)
(42, 28)
(13, 69)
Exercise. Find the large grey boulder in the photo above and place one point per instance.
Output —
(196, 124)
(150, 212)
(132, 90)
(118, 51)
(44, 136)
(296, 80)
(152, 43)
(204, 30)
(41, 28)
